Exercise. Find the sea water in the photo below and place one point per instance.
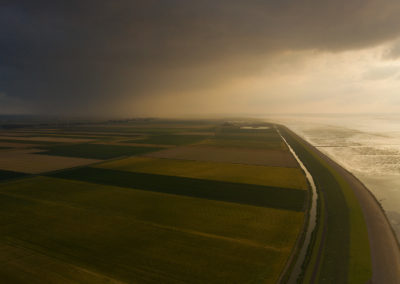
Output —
(367, 145)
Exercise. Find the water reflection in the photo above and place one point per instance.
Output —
(366, 145)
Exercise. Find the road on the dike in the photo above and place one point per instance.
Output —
(385, 250)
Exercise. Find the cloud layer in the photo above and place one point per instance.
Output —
(95, 57)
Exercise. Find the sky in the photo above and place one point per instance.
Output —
(128, 58)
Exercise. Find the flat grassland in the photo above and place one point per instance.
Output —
(95, 151)
(283, 198)
(251, 156)
(112, 232)
(5, 175)
(242, 143)
(169, 139)
(245, 138)
(240, 173)
(16, 145)
(47, 139)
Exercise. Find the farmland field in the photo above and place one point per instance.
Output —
(32, 161)
(250, 156)
(112, 230)
(95, 151)
(104, 204)
(242, 143)
(47, 139)
(241, 173)
(5, 175)
(291, 199)
(16, 145)
(169, 139)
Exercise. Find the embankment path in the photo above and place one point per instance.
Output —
(385, 251)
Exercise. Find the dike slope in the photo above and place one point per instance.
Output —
(384, 247)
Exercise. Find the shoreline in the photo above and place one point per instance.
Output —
(385, 260)
(332, 160)
(397, 236)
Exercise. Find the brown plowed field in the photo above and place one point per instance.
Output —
(26, 161)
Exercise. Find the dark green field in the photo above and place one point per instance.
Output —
(169, 139)
(96, 151)
(29, 142)
(282, 198)
(5, 175)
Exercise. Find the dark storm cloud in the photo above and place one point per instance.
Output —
(73, 56)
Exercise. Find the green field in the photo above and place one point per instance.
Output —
(240, 143)
(158, 127)
(231, 136)
(261, 175)
(29, 142)
(96, 151)
(5, 175)
(169, 139)
(257, 195)
(113, 232)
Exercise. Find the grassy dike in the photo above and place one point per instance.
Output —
(340, 252)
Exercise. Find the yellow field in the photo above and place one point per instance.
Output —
(47, 139)
(262, 175)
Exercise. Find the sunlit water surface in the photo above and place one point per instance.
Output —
(366, 145)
